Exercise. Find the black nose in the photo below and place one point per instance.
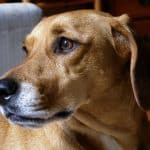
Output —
(8, 87)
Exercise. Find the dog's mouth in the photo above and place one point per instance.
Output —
(36, 122)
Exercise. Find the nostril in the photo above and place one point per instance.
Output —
(8, 87)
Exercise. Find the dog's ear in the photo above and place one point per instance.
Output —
(125, 46)
(141, 76)
(121, 36)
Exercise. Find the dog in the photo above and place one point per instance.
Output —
(77, 88)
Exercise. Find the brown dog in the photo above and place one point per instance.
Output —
(76, 79)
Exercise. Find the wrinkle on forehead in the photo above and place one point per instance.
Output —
(80, 20)
(76, 19)
(80, 28)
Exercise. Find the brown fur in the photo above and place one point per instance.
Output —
(95, 80)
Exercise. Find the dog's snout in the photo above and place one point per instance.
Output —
(8, 87)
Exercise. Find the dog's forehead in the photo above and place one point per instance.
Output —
(77, 17)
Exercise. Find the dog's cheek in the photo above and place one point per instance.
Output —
(77, 90)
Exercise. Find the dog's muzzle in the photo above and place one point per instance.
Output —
(20, 104)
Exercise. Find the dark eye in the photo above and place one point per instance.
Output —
(65, 45)
(24, 49)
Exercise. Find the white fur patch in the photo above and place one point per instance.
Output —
(28, 100)
(27, 94)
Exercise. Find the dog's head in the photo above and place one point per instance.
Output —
(70, 59)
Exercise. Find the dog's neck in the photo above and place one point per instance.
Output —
(115, 113)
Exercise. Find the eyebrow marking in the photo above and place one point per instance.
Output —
(58, 29)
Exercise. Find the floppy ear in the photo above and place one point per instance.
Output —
(141, 75)
(125, 46)
(122, 37)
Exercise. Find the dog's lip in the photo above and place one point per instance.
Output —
(21, 120)
(16, 117)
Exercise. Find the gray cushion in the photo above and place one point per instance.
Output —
(16, 21)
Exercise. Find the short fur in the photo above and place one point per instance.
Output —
(96, 81)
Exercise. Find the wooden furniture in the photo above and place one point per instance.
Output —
(53, 6)
(97, 5)
(2, 1)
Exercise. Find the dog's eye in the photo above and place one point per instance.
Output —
(65, 45)
(24, 49)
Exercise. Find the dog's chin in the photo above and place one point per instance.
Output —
(28, 121)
